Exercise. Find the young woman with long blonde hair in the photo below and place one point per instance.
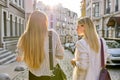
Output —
(33, 46)
(87, 61)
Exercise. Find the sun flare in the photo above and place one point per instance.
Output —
(73, 5)
(49, 2)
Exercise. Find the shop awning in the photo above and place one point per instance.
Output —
(113, 20)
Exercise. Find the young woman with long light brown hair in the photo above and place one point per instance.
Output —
(87, 61)
(33, 46)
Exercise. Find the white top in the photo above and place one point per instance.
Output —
(58, 51)
(88, 64)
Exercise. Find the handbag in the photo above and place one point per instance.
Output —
(104, 74)
(58, 73)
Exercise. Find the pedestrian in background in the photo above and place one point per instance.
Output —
(33, 47)
(87, 61)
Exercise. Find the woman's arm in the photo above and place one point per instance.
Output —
(59, 48)
(81, 57)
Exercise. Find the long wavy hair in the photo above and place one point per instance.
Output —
(32, 40)
(90, 33)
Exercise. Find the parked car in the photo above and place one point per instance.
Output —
(113, 53)
(66, 45)
(70, 46)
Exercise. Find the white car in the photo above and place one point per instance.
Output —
(113, 53)
(70, 46)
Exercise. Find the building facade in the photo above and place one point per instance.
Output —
(104, 13)
(12, 20)
(30, 6)
(83, 8)
(62, 20)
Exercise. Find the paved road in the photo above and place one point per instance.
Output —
(67, 67)
(114, 72)
(65, 64)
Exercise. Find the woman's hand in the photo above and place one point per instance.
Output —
(73, 62)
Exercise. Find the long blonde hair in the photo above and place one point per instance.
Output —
(90, 33)
(32, 40)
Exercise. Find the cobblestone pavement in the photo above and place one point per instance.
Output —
(65, 64)
(114, 72)
(67, 68)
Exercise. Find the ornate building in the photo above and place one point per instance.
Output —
(12, 18)
(83, 8)
(62, 20)
(105, 14)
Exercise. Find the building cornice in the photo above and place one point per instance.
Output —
(18, 8)
(3, 3)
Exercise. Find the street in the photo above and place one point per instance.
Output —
(22, 28)
(114, 72)
(67, 68)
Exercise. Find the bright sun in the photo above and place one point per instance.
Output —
(73, 5)
(49, 2)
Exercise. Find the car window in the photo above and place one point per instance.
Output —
(113, 44)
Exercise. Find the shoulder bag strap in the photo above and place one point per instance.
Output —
(102, 54)
(50, 51)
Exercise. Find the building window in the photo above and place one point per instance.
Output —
(16, 1)
(117, 31)
(11, 24)
(20, 2)
(96, 9)
(51, 24)
(89, 12)
(51, 17)
(19, 27)
(107, 32)
(16, 26)
(116, 5)
(5, 23)
(118, 36)
(22, 26)
(97, 28)
(23, 3)
(107, 5)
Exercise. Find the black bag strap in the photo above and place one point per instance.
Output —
(102, 54)
(50, 51)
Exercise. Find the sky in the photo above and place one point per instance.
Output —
(73, 5)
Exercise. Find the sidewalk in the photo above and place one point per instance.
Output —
(65, 65)
(9, 69)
